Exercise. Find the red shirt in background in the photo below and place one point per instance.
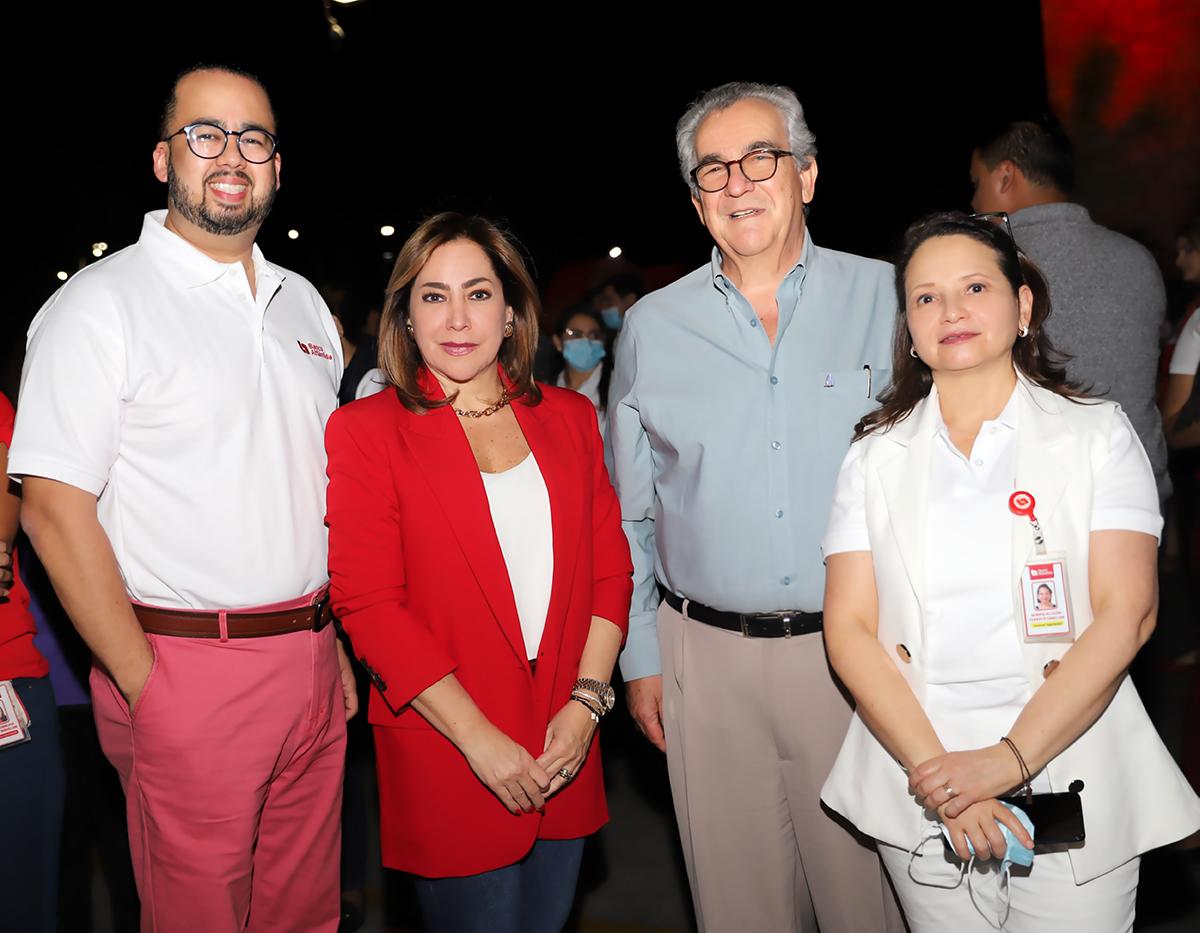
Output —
(18, 656)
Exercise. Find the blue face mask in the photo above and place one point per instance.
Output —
(583, 355)
(612, 318)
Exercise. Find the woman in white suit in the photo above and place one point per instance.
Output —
(931, 618)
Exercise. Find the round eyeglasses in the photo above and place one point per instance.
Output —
(756, 165)
(208, 142)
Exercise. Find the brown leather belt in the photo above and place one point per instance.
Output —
(187, 623)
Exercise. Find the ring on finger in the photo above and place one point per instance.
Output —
(950, 791)
(565, 774)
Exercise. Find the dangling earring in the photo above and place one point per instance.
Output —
(508, 329)
(408, 326)
(1024, 331)
(912, 351)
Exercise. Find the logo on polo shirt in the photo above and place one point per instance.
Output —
(314, 349)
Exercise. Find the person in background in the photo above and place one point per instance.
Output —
(477, 564)
(616, 295)
(1108, 294)
(961, 698)
(584, 343)
(31, 772)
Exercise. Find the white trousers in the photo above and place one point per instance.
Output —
(1043, 898)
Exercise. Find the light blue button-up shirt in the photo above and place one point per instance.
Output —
(724, 447)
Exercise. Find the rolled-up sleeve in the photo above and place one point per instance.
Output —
(631, 464)
(367, 571)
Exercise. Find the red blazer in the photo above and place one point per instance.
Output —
(420, 585)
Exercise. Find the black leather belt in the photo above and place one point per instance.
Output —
(782, 624)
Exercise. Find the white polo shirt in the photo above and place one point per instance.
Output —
(195, 411)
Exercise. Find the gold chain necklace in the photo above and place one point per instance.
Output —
(490, 410)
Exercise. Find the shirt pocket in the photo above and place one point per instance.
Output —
(843, 397)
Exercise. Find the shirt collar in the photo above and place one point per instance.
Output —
(808, 255)
(190, 267)
(1007, 417)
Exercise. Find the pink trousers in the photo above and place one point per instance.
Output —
(232, 762)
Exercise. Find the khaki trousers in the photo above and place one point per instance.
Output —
(753, 726)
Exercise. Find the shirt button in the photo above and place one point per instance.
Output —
(779, 513)
(754, 323)
(993, 430)
(978, 462)
(774, 380)
(775, 445)
(787, 581)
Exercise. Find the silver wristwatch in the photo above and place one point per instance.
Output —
(602, 691)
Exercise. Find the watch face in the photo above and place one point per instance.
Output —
(609, 697)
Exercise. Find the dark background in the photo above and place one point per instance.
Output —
(566, 132)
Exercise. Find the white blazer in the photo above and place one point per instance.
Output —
(1134, 797)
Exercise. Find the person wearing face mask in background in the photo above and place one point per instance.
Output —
(615, 296)
(583, 340)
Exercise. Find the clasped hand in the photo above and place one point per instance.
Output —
(568, 738)
(979, 823)
(952, 782)
(511, 773)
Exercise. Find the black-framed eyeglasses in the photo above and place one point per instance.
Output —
(208, 141)
(1000, 219)
(756, 165)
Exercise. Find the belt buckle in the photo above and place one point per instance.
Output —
(742, 620)
(319, 612)
(787, 625)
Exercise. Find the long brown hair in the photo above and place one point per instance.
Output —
(1033, 355)
(399, 357)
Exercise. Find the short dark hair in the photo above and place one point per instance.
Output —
(624, 283)
(399, 357)
(1033, 354)
(167, 119)
(1038, 146)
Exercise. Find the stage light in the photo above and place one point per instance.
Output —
(614, 252)
(62, 276)
(293, 234)
(387, 230)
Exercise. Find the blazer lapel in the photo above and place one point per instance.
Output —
(562, 468)
(440, 449)
(905, 481)
(1041, 470)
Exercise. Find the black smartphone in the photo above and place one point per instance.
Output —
(1057, 818)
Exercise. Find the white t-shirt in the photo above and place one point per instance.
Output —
(976, 681)
(195, 411)
(520, 507)
(1186, 357)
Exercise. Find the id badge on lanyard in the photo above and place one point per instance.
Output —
(1046, 614)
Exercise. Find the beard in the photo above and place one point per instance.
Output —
(218, 219)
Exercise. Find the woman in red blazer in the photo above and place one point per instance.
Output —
(478, 565)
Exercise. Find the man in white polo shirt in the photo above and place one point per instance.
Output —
(170, 443)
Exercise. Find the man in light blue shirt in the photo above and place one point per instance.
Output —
(733, 401)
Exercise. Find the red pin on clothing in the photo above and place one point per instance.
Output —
(1021, 503)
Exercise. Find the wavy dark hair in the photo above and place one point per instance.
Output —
(1033, 355)
(399, 357)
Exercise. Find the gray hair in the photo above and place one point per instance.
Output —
(800, 138)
